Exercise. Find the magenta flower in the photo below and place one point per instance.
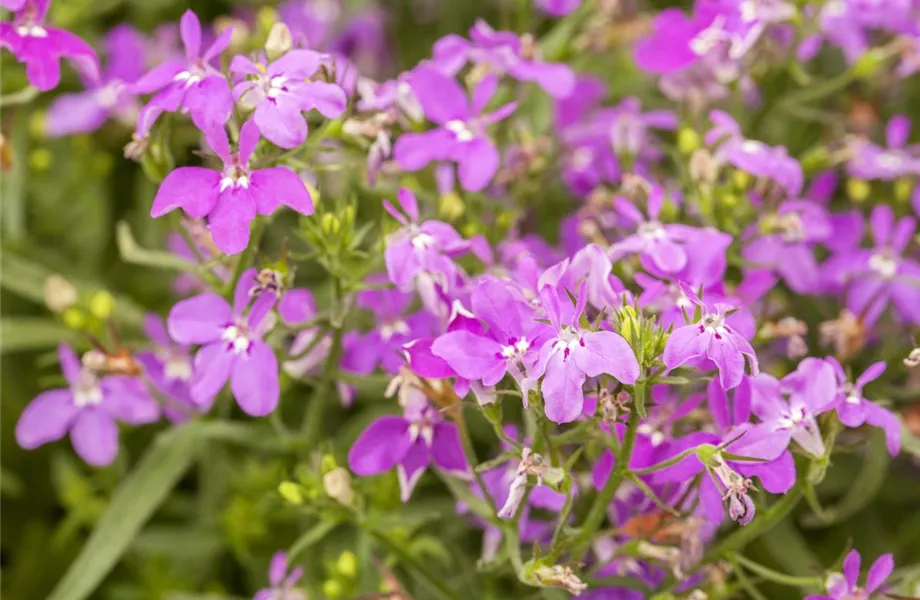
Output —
(393, 328)
(193, 84)
(558, 8)
(854, 409)
(461, 133)
(845, 586)
(231, 346)
(297, 308)
(409, 443)
(280, 91)
(510, 344)
(573, 354)
(231, 197)
(713, 338)
(280, 582)
(169, 367)
(870, 161)
(42, 47)
(503, 52)
(106, 97)
(88, 409)
(789, 407)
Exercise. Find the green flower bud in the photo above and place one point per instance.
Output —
(347, 564)
(858, 189)
(101, 305)
(688, 140)
(290, 491)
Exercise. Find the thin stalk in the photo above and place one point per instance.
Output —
(775, 576)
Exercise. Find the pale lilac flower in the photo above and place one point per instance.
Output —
(393, 329)
(845, 586)
(168, 365)
(409, 443)
(41, 47)
(312, 22)
(510, 344)
(88, 409)
(193, 84)
(296, 309)
(558, 8)
(280, 91)
(854, 409)
(280, 582)
(713, 338)
(783, 241)
(503, 52)
(231, 197)
(461, 135)
(870, 161)
(573, 354)
(106, 97)
(789, 407)
(231, 346)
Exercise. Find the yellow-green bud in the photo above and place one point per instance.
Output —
(868, 64)
(347, 564)
(858, 190)
(41, 159)
(74, 318)
(290, 491)
(452, 206)
(688, 140)
(331, 224)
(332, 588)
(902, 188)
(741, 179)
(629, 322)
(102, 304)
(327, 463)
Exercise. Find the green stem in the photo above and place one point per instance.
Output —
(435, 581)
(471, 458)
(23, 96)
(746, 583)
(776, 576)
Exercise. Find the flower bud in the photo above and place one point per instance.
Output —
(858, 190)
(74, 318)
(102, 304)
(347, 564)
(279, 41)
(331, 224)
(337, 484)
(290, 491)
(559, 576)
(688, 140)
(59, 293)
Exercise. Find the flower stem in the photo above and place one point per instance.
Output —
(776, 576)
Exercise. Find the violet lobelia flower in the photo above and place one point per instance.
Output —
(461, 135)
(193, 84)
(789, 408)
(231, 197)
(409, 443)
(169, 367)
(573, 354)
(845, 586)
(713, 338)
(88, 409)
(231, 346)
(503, 52)
(558, 8)
(41, 47)
(281, 582)
(854, 409)
(105, 97)
(280, 91)
(510, 344)
(870, 161)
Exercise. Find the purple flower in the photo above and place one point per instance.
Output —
(393, 329)
(510, 345)
(870, 161)
(169, 367)
(854, 409)
(461, 133)
(783, 241)
(844, 586)
(231, 197)
(296, 308)
(312, 23)
(88, 409)
(280, 91)
(42, 47)
(558, 8)
(573, 354)
(714, 339)
(231, 346)
(503, 52)
(876, 277)
(192, 84)
(789, 407)
(409, 443)
(106, 97)
(280, 582)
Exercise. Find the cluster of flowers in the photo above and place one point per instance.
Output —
(652, 331)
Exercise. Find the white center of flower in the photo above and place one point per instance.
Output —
(422, 241)
(714, 324)
(707, 39)
(423, 428)
(792, 419)
(518, 348)
(190, 77)
(884, 264)
(275, 86)
(238, 338)
(31, 30)
(108, 96)
(748, 10)
(752, 147)
(235, 176)
(655, 436)
(391, 328)
(177, 367)
(890, 160)
(459, 129)
(582, 158)
(651, 230)
(87, 395)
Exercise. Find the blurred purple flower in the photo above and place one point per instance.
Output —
(845, 586)
(854, 409)
(281, 582)
(169, 367)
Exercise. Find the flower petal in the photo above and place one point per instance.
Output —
(606, 352)
(278, 186)
(446, 449)
(561, 388)
(46, 419)
(95, 437)
(199, 320)
(254, 380)
(193, 189)
(212, 369)
(384, 443)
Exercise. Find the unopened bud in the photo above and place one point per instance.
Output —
(240, 33)
(102, 304)
(347, 564)
(290, 491)
(560, 577)
(331, 224)
(337, 484)
(74, 318)
(59, 293)
(688, 140)
(913, 359)
(858, 189)
(279, 41)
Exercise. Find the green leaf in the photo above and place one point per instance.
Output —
(133, 503)
(19, 334)
(132, 253)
